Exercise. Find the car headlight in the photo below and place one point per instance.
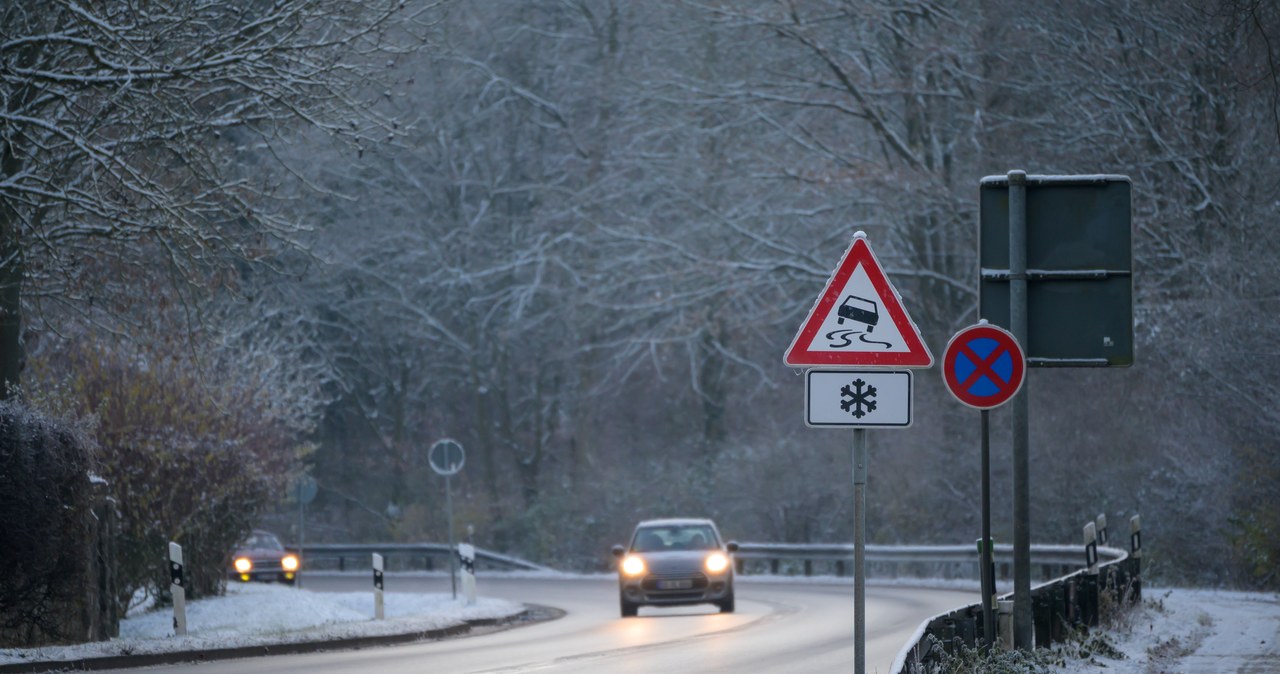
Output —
(243, 565)
(289, 563)
(717, 562)
(632, 566)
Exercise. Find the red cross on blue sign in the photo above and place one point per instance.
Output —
(983, 366)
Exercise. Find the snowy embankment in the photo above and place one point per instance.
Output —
(257, 615)
(1192, 632)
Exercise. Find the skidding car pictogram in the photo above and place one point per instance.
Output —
(859, 309)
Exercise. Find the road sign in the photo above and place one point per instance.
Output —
(305, 489)
(447, 457)
(1079, 259)
(858, 320)
(983, 366)
(858, 398)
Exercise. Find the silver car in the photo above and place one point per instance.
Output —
(675, 562)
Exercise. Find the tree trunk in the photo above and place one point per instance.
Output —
(11, 270)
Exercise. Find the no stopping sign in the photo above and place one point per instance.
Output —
(983, 366)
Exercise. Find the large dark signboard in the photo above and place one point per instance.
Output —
(1079, 267)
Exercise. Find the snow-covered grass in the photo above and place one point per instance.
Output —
(1178, 630)
(256, 614)
(1189, 631)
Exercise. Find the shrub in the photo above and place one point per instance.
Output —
(188, 459)
(45, 506)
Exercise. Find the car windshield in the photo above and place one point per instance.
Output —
(262, 541)
(674, 537)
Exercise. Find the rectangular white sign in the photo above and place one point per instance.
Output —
(857, 398)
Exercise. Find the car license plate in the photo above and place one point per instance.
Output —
(683, 584)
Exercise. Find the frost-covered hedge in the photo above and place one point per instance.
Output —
(49, 570)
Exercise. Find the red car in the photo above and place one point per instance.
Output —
(263, 557)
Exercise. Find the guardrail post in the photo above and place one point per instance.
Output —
(1089, 580)
(1005, 623)
(1135, 557)
(1058, 607)
(1042, 616)
(1101, 523)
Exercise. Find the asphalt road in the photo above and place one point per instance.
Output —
(778, 627)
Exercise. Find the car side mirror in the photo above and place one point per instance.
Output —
(731, 546)
(618, 551)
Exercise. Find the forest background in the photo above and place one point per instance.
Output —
(314, 237)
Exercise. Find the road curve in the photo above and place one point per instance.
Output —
(778, 627)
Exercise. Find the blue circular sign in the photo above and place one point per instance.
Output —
(983, 366)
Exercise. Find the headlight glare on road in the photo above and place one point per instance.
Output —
(717, 562)
(632, 566)
(289, 563)
(243, 565)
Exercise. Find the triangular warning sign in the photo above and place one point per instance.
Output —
(858, 320)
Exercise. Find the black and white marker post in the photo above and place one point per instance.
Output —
(177, 586)
(378, 611)
(467, 560)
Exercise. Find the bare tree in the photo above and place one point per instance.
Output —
(134, 135)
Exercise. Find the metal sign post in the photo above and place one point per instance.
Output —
(1023, 628)
(860, 549)
(447, 458)
(306, 489)
(984, 367)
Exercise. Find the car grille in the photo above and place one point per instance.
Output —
(651, 582)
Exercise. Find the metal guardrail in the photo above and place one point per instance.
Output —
(931, 561)
(418, 556)
(1059, 607)
(922, 561)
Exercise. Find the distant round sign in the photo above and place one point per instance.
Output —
(446, 457)
(983, 366)
(305, 489)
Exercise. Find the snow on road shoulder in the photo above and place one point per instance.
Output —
(1193, 632)
(255, 615)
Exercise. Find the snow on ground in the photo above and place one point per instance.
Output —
(257, 614)
(1192, 632)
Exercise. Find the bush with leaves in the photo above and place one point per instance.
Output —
(188, 458)
(44, 510)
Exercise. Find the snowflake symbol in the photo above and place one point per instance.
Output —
(860, 399)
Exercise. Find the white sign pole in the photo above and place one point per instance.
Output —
(176, 582)
(378, 612)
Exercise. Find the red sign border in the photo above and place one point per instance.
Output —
(917, 354)
(1005, 339)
